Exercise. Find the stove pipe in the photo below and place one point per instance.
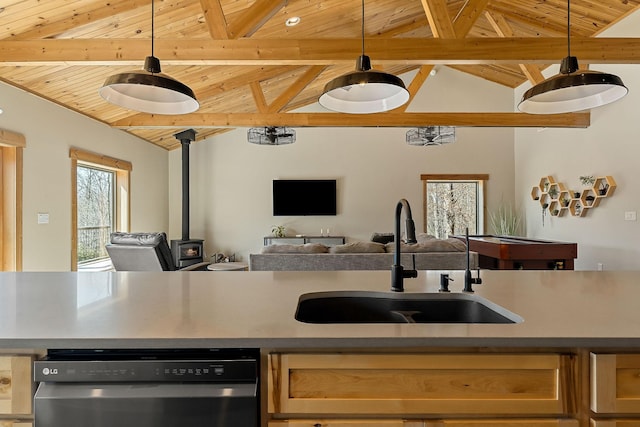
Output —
(185, 137)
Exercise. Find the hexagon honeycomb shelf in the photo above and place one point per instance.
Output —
(557, 199)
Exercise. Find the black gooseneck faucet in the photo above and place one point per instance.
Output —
(398, 273)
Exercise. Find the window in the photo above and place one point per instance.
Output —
(96, 211)
(453, 203)
(100, 205)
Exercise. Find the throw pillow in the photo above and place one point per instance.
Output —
(382, 238)
(358, 247)
(432, 245)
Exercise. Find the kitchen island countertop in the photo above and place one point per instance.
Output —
(256, 309)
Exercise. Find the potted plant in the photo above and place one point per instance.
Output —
(506, 221)
(555, 212)
(565, 201)
(278, 231)
(587, 180)
(603, 188)
(589, 199)
(553, 192)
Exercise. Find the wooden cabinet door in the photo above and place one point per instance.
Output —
(503, 423)
(615, 383)
(615, 423)
(12, 423)
(345, 423)
(15, 385)
(421, 384)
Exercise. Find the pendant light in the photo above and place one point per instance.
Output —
(365, 90)
(148, 90)
(573, 89)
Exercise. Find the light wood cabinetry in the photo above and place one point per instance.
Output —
(615, 383)
(346, 423)
(11, 423)
(615, 389)
(15, 385)
(433, 389)
(16, 391)
(615, 423)
(428, 423)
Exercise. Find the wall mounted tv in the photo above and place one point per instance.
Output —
(294, 197)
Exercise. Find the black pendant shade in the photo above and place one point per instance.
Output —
(573, 89)
(364, 91)
(148, 90)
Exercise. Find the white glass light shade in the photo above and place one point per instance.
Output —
(364, 91)
(149, 91)
(564, 93)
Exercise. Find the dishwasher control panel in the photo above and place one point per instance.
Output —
(143, 369)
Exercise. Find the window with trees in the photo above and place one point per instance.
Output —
(453, 203)
(100, 206)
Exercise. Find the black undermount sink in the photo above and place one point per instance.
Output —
(387, 307)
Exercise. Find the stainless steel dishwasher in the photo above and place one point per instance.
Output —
(147, 388)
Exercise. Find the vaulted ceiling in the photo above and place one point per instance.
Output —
(248, 68)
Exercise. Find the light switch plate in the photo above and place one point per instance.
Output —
(43, 218)
(630, 216)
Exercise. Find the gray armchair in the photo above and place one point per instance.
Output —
(144, 252)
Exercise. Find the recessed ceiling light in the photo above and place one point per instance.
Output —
(292, 22)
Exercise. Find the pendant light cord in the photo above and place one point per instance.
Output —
(568, 27)
(152, 27)
(362, 27)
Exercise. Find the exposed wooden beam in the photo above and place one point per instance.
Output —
(415, 85)
(254, 18)
(467, 17)
(258, 97)
(503, 29)
(297, 87)
(92, 12)
(439, 19)
(319, 51)
(216, 21)
(254, 74)
(205, 120)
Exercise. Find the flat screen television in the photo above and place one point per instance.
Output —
(295, 197)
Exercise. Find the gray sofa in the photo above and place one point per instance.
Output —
(432, 255)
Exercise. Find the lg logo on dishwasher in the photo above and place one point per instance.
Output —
(47, 371)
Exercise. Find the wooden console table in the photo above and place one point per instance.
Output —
(325, 240)
(519, 253)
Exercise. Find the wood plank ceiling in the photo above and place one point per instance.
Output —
(248, 69)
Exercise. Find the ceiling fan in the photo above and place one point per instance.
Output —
(431, 135)
(271, 135)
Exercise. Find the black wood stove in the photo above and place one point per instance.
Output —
(186, 251)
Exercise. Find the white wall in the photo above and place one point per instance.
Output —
(50, 131)
(609, 146)
(231, 179)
